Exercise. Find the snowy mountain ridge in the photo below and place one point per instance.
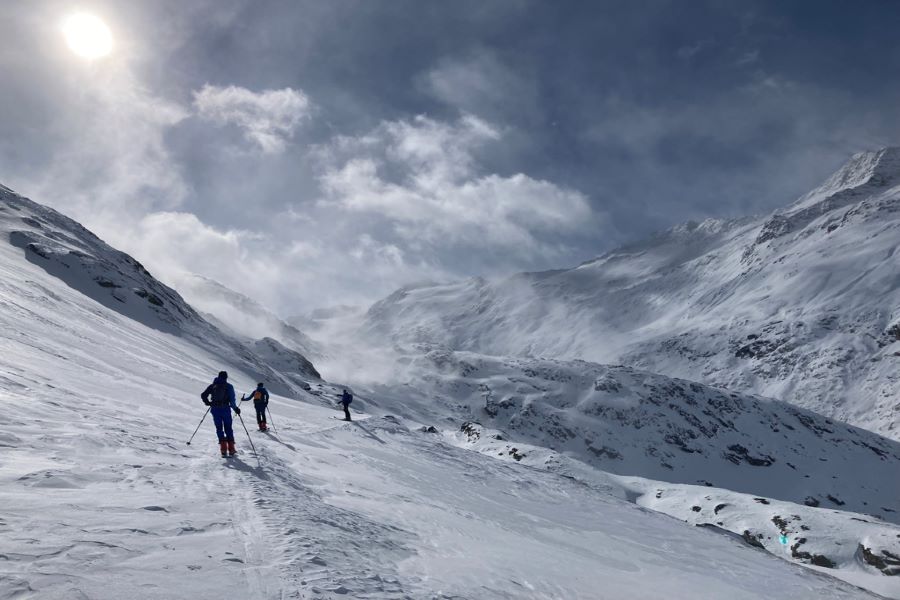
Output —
(242, 316)
(66, 250)
(803, 305)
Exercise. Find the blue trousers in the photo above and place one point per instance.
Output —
(222, 419)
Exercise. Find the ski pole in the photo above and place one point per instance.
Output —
(248, 436)
(198, 426)
(274, 430)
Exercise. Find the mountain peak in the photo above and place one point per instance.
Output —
(878, 167)
(864, 172)
(864, 175)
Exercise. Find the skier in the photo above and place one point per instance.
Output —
(219, 396)
(346, 399)
(260, 402)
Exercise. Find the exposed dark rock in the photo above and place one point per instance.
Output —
(818, 560)
(753, 540)
(150, 297)
(738, 454)
(107, 283)
(780, 523)
(604, 451)
(40, 250)
(472, 431)
(887, 562)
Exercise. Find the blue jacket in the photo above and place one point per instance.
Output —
(346, 398)
(265, 397)
(229, 392)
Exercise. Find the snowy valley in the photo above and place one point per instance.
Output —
(488, 459)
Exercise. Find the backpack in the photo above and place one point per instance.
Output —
(257, 396)
(219, 393)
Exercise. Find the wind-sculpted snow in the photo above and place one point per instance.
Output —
(799, 306)
(102, 499)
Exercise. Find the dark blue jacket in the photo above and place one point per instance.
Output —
(229, 397)
(346, 397)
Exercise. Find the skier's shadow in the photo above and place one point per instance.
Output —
(369, 433)
(275, 437)
(237, 464)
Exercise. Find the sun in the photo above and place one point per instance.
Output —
(87, 36)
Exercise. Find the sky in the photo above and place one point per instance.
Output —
(312, 153)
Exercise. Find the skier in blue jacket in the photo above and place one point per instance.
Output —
(260, 398)
(219, 397)
(346, 399)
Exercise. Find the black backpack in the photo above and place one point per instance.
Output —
(219, 394)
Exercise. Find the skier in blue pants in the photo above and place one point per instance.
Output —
(219, 397)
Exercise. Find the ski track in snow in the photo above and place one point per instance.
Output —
(101, 504)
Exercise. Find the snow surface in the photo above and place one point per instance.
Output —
(103, 499)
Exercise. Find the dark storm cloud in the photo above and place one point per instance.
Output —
(284, 137)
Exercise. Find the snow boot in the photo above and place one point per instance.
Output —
(223, 446)
(231, 449)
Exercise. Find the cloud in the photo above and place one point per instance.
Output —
(690, 51)
(748, 58)
(481, 83)
(268, 118)
(422, 177)
(109, 158)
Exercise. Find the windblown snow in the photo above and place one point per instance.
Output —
(492, 463)
(802, 305)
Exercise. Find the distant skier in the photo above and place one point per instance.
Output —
(260, 398)
(346, 399)
(219, 396)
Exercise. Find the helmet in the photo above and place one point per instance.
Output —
(223, 375)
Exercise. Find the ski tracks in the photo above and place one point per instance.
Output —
(313, 550)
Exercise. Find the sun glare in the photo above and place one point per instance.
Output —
(87, 36)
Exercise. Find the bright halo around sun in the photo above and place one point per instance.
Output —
(87, 36)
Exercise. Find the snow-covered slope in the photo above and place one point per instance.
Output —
(72, 255)
(102, 499)
(242, 316)
(802, 305)
(752, 466)
(635, 423)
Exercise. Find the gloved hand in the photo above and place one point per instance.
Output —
(237, 410)
(206, 402)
